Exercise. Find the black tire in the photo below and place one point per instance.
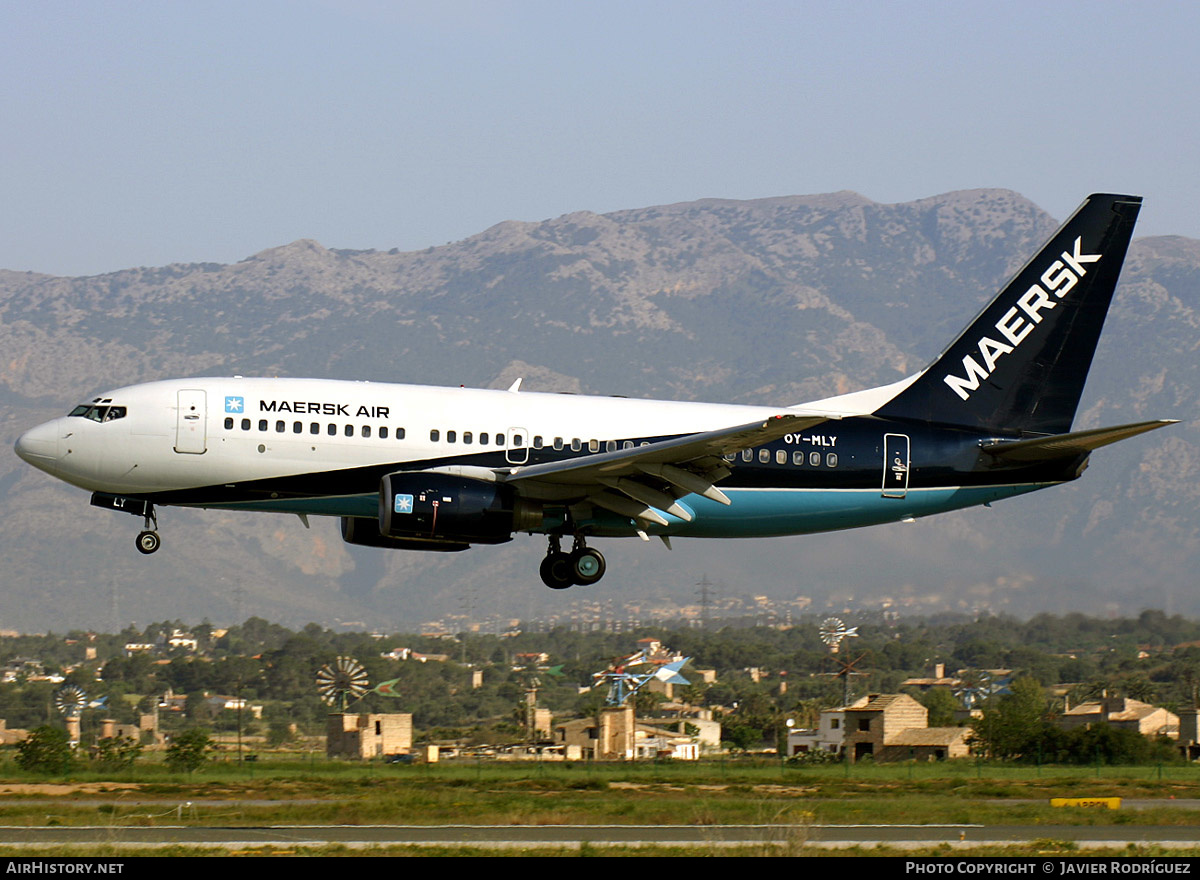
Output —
(557, 572)
(148, 542)
(587, 566)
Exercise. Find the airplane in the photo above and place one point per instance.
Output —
(424, 468)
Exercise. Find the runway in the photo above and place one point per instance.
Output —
(573, 836)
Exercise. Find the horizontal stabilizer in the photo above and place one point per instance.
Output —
(1067, 445)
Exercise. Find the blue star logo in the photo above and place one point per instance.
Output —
(403, 504)
(235, 405)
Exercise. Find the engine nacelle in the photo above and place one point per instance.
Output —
(444, 507)
(364, 531)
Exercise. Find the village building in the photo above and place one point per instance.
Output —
(1123, 713)
(368, 736)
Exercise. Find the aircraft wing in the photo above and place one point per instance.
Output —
(635, 482)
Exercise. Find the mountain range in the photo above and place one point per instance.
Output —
(771, 301)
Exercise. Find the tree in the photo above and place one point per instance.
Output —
(1011, 723)
(189, 750)
(45, 750)
(942, 706)
(116, 753)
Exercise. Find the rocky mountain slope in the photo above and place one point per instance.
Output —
(769, 301)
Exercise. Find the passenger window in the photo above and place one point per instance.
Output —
(228, 424)
(262, 424)
(781, 456)
(366, 430)
(558, 443)
(399, 433)
(348, 431)
(831, 459)
(537, 441)
(798, 458)
(314, 428)
(764, 455)
(279, 427)
(499, 439)
(435, 435)
(628, 444)
(452, 436)
(576, 444)
(331, 430)
(383, 433)
(297, 427)
(814, 458)
(747, 455)
(593, 446)
(245, 424)
(517, 440)
(610, 446)
(483, 438)
(467, 436)
(731, 456)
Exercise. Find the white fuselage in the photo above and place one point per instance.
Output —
(174, 434)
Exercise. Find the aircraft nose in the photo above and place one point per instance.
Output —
(39, 446)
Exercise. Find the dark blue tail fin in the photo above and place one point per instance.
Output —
(1021, 364)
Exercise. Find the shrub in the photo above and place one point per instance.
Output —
(45, 750)
(189, 750)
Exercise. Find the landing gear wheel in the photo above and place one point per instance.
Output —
(148, 542)
(587, 565)
(556, 571)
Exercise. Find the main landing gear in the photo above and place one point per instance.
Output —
(147, 539)
(582, 566)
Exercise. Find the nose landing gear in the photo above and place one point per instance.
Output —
(583, 565)
(147, 539)
(148, 542)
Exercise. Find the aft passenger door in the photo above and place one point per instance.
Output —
(895, 465)
(191, 422)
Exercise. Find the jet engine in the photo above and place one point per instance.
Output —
(439, 507)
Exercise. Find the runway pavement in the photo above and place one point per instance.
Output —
(826, 836)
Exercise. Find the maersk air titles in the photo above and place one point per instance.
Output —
(421, 468)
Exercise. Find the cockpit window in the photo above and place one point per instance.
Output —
(98, 413)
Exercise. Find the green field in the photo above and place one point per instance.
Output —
(522, 793)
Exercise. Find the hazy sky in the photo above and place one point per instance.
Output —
(157, 132)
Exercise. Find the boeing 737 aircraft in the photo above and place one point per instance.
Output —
(423, 468)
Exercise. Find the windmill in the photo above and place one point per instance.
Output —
(342, 682)
(624, 683)
(833, 631)
(70, 700)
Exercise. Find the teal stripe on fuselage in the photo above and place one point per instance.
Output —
(753, 513)
(761, 513)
